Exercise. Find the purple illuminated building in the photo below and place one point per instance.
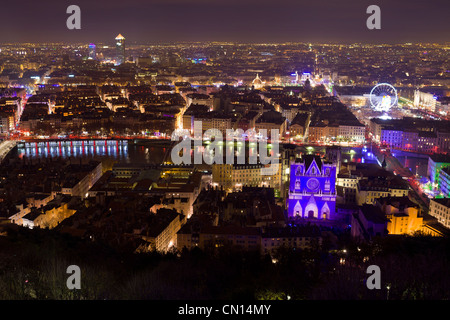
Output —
(312, 189)
(92, 54)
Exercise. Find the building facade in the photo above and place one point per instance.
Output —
(440, 209)
(435, 164)
(312, 189)
(444, 182)
(92, 54)
(120, 49)
(235, 176)
(403, 215)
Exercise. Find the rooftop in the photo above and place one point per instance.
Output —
(230, 230)
(440, 158)
(373, 214)
(398, 202)
(442, 201)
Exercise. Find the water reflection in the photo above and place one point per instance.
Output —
(121, 153)
(416, 165)
(74, 151)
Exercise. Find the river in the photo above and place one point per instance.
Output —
(142, 152)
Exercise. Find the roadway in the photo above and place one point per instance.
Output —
(395, 166)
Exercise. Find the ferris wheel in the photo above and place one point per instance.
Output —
(383, 96)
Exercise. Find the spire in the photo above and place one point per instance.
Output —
(120, 37)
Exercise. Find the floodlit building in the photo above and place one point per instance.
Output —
(299, 126)
(312, 189)
(235, 176)
(81, 178)
(444, 182)
(257, 83)
(92, 54)
(48, 216)
(6, 123)
(412, 134)
(403, 215)
(120, 49)
(435, 163)
(440, 209)
(369, 190)
(425, 99)
(161, 235)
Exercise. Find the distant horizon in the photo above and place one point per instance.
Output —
(228, 42)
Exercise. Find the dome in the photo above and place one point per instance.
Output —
(257, 80)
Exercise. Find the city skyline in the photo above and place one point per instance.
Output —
(224, 150)
(248, 21)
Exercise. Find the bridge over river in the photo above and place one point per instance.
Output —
(5, 147)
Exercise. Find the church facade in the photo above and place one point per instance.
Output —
(312, 189)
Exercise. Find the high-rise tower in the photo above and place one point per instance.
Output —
(120, 49)
(91, 51)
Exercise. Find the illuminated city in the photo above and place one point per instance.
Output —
(358, 135)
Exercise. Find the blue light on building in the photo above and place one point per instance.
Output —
(312, 189)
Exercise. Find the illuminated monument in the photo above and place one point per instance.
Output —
(257, 83)
(92, 55)
(120, 49)
(312, 189)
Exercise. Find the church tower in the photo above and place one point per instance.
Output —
(333, 154)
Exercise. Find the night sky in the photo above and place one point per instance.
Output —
(162, 21)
